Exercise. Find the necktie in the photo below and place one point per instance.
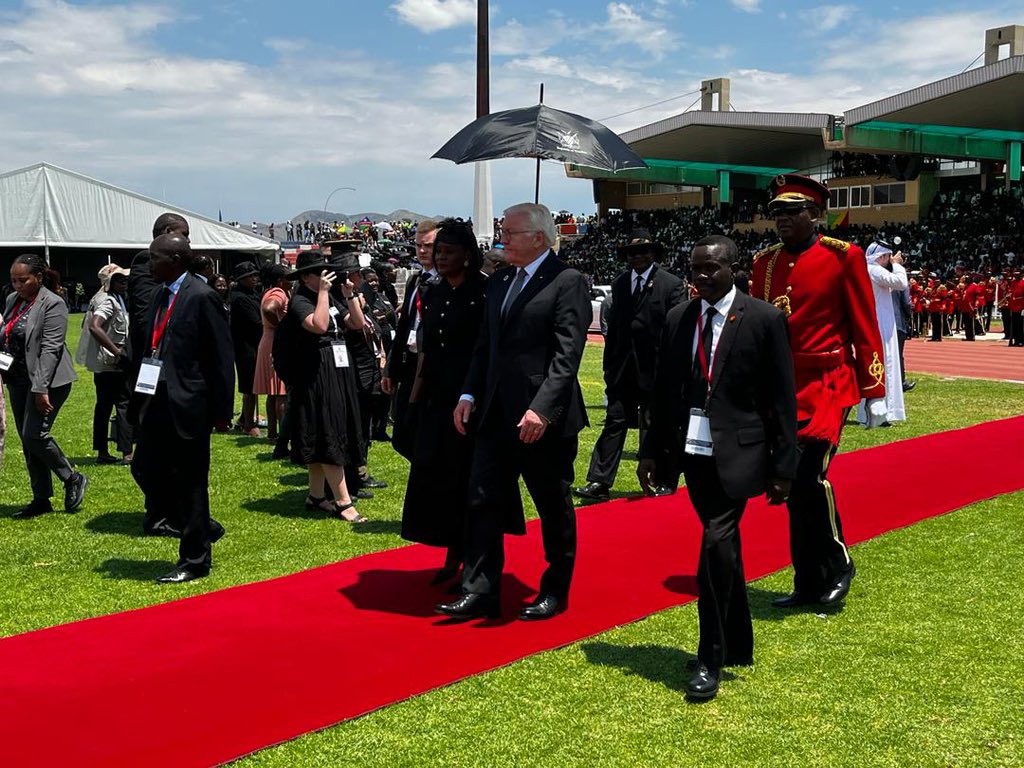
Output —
(513, 292)
(637, 288)
(699, 384)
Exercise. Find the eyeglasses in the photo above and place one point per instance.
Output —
(506, 233)
(787, 210)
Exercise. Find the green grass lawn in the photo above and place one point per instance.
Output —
(922, 668)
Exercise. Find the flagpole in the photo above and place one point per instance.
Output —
(536, 189)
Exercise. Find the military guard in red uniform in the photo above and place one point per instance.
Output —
(822, 284)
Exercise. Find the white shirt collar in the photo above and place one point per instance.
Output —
(722, 306)
(533, 266)
(177, 283)
(644, 276)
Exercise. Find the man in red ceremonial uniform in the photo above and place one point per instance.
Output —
(822, 284)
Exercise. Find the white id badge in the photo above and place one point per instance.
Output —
(149, 376)
(698, 434)
(411, 342)
(340, 355)
(6, 361)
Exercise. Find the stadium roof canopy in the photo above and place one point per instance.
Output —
(43, 205)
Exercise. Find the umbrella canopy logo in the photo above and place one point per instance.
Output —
(569, 141)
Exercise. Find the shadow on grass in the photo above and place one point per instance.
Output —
(291, 504)
(134, 570)
(267, 457)
(118, 524)
(296, 479)
(657, 663)
(6, 510)
(410, 593)
(378, 526)
(761, 606)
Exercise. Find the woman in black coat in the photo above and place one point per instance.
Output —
(453, 309)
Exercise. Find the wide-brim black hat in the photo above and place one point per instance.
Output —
(308, 262)
(243, 270)
(344, 262)
(640, 240)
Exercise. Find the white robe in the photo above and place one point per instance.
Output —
(884, 283)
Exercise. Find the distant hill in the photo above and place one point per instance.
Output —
(352, 218)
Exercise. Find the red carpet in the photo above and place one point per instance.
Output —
(203, 680)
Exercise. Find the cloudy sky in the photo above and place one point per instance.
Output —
(261, 108)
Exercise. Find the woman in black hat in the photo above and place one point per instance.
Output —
(246, 332)
(453, 311)
(324, 413)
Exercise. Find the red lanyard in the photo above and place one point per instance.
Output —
(419, 312)
(159, 328)
(10, 326)
(701, 354)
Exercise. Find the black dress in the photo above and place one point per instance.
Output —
(246, 332)
(324, 411)
(435, 497)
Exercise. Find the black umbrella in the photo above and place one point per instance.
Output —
(543, 133)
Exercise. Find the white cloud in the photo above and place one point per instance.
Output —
(434, 15)
(825, 18)
(748, 6)
(626, 26)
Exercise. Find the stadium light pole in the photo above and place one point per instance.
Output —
(483, 209)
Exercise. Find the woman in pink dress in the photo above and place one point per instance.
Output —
(273, 306)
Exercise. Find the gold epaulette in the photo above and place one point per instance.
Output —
(766, 251)
(835, 245)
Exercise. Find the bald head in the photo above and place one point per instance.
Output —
(169, 256)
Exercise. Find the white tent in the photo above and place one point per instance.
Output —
(44, 205)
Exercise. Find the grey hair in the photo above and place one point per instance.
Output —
(539, 218)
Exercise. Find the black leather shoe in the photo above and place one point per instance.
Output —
(180, 575)
(596, 491)
(543, 607)
(74, 491)
(793, 600)
(909, 385)
(703, 684)
(372, 482)
(840, 589)
(216, 531)
(362, 493)
(34, 509)
(664, 490)
(472, 607)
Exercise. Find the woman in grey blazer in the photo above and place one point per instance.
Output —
(38, 372)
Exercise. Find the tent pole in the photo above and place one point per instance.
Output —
(536, 187)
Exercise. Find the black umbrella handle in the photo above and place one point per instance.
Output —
(536, 187)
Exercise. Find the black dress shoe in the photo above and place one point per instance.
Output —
(74, 491)
(703, 684)
(34, 509)
(543, 607)
(472, 606)
(362, 493)
(372, 482)
(216, 531)
(597, 491)
(793, 600)
(840, 589)
(180, 575)
(664, 490)
(909, 385)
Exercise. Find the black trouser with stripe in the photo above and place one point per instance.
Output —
(816, 538)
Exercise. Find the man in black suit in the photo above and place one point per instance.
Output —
(400, 369)
(725, 390)
(641, 299)
(186, 384)
(529, 410)
(142, 287)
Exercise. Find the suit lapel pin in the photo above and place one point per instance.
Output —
(506, 279)
(732, 318)
(650, 285)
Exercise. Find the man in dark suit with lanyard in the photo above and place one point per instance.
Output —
(400, 369)
(641, 299)
(529, 411)
(724, 383)
(186, 383)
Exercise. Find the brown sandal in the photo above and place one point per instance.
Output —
(359, 519)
